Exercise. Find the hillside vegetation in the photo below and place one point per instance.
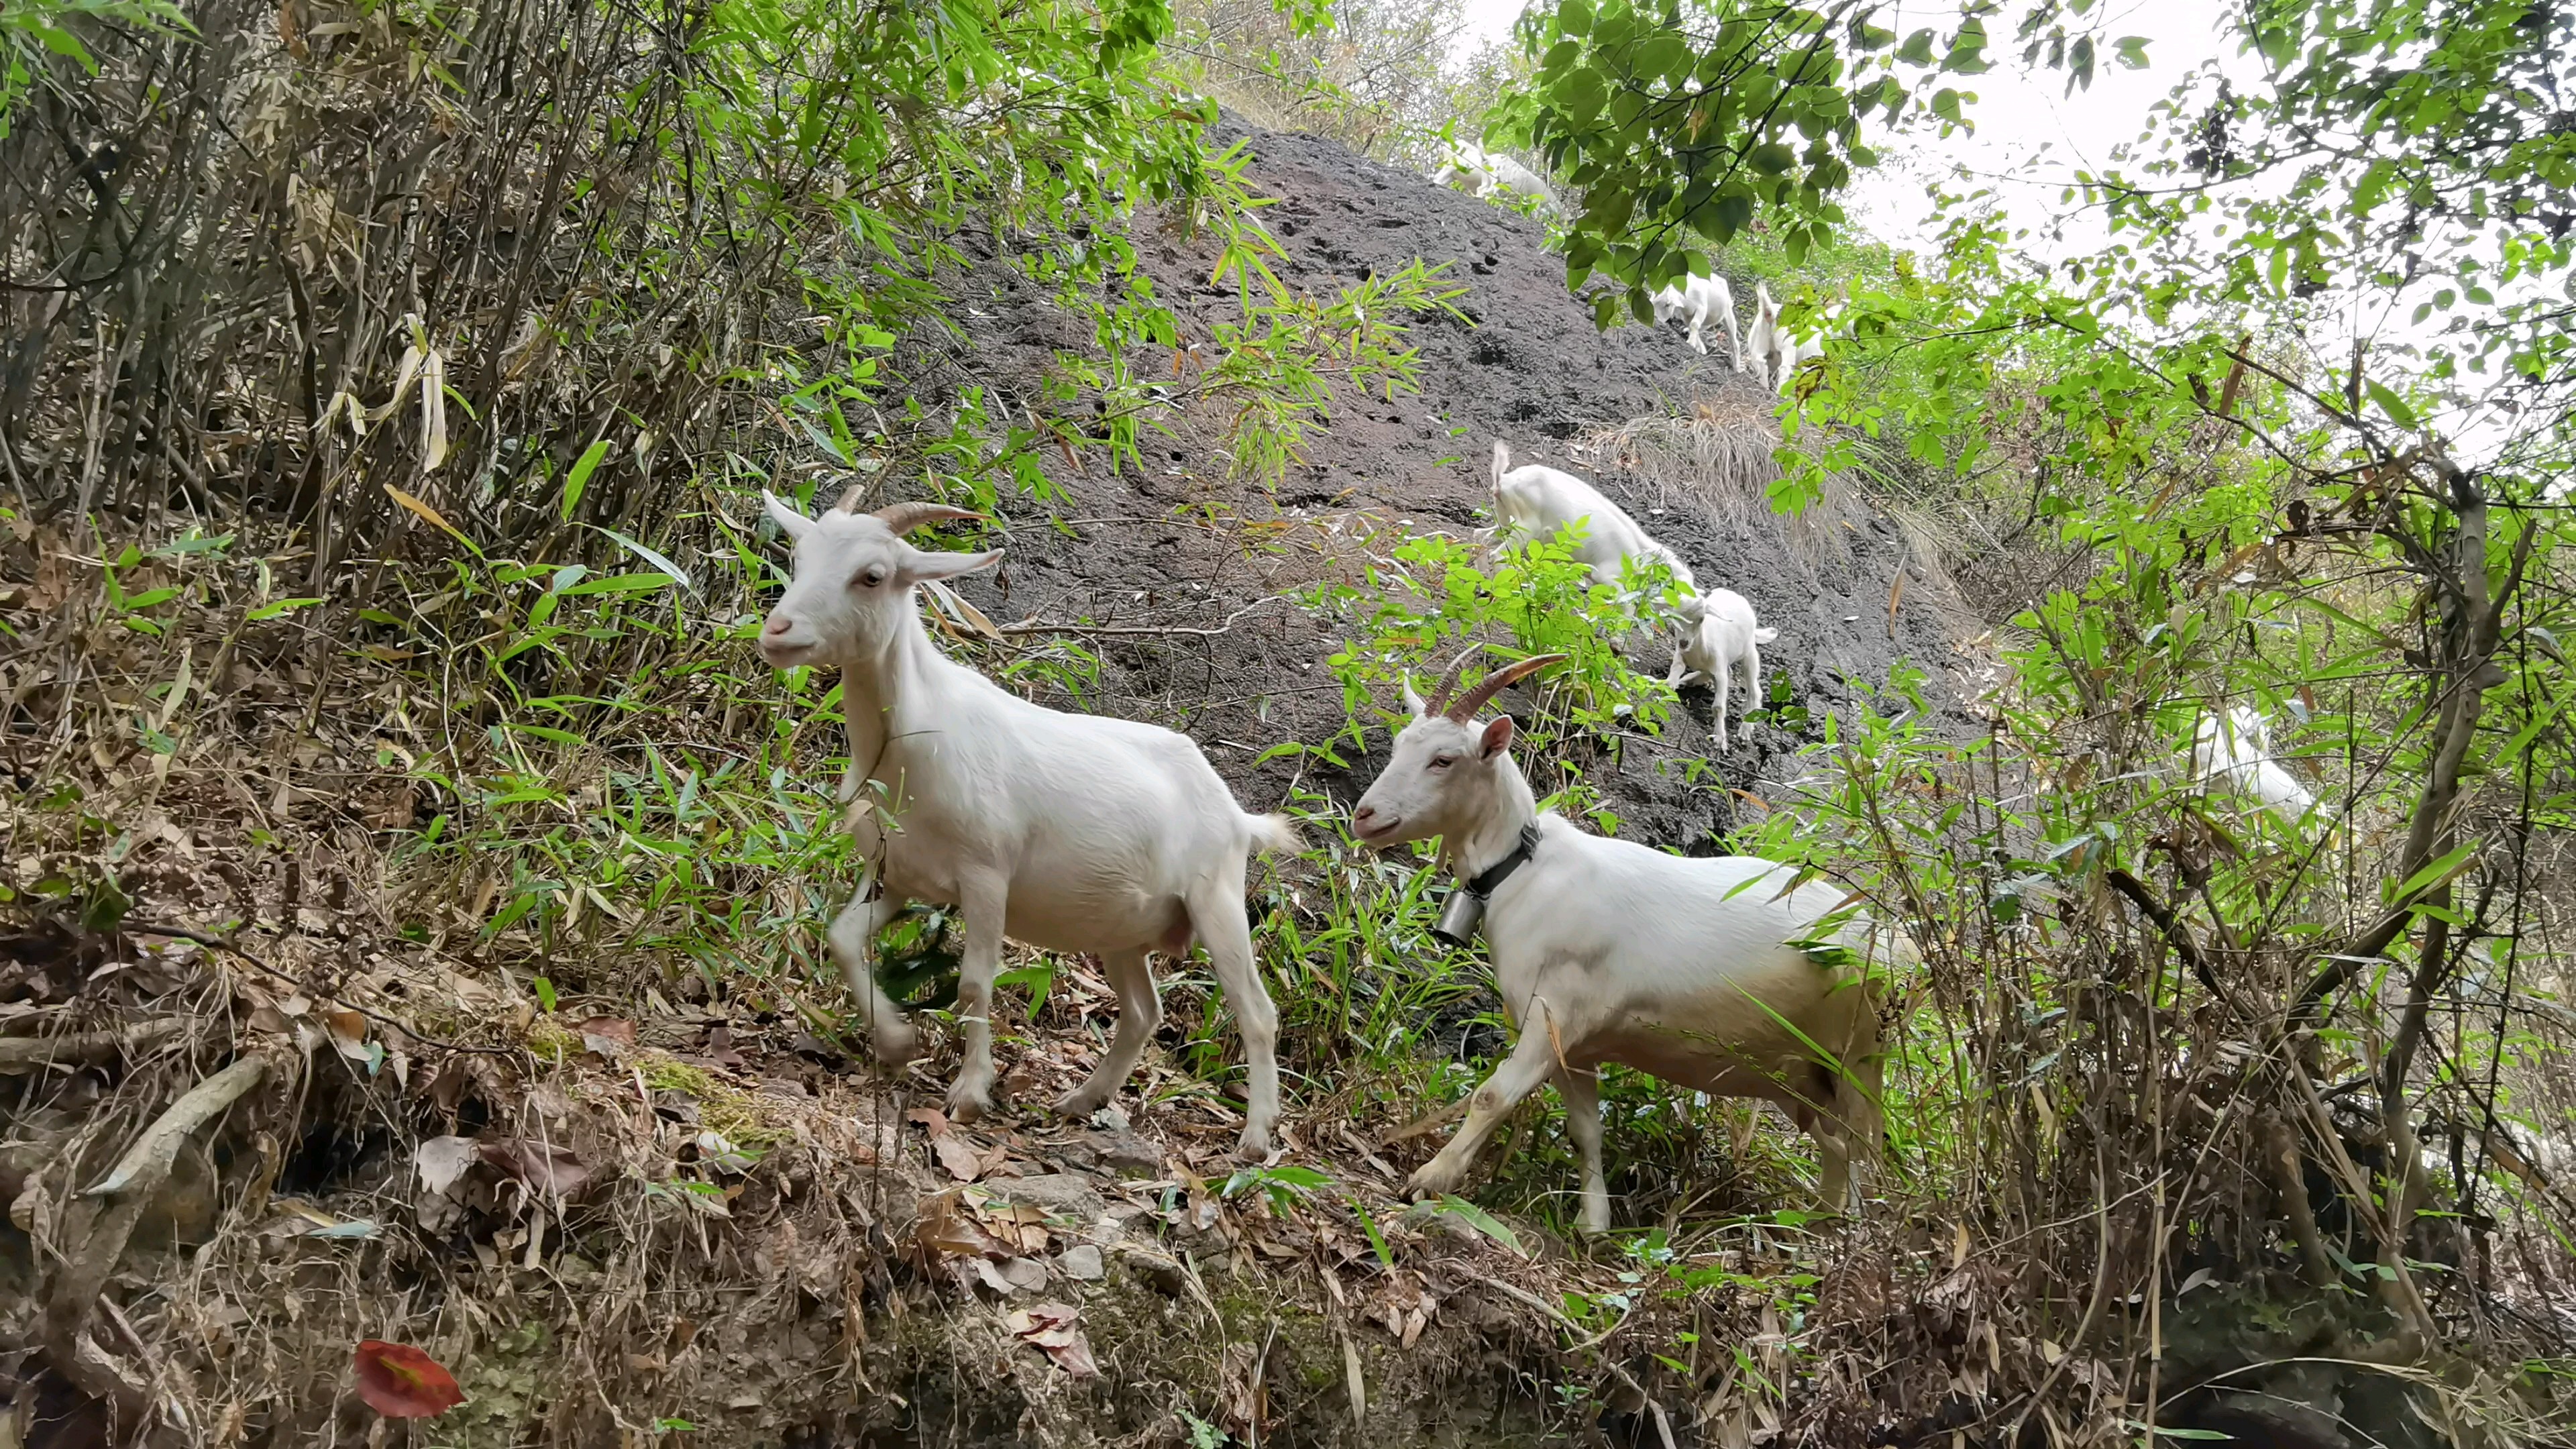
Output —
(415, 1006)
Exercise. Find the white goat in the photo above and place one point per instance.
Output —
(1608, 951)
(1539, 500)
(2238, 747)
(1464, 161)
(1697, 300)
(1724, 636)
(1489, 172)
(1068, 832)
(1775, 353)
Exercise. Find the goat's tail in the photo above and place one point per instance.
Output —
(1765, 636)
(1274, 834)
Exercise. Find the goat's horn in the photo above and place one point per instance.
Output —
(1449, 681)
(1498, 681)
(853, 495)
(905, 517)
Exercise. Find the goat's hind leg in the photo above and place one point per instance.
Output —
(853, 938)
(1140, 1010)
(1216, 917)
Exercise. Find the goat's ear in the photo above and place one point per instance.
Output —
(1413, 702)
(920, 567)
(1498, 737)
(790, 522)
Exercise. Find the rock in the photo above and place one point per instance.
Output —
(1025, 1275)
(1082, 1262)
(1125, 1152)
(1061, 1194)
(1156, 1267)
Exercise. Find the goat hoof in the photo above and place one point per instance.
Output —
(1253, 1145)
(1081, 1104)
(965, 1107)
(895, 1049)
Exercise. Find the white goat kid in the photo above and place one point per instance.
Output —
(2237, 747)
(1511, 175)
(1067, 832)
(1776, 354)
(1696, 301)
(1607, 951)
(1725, 637)
(1539, 500)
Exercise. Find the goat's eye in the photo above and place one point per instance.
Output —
(1442, 762)
(873, 577)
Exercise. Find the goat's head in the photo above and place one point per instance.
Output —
(852, 588)
(1444, 764)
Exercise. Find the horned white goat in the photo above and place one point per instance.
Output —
(1068, 832)
(1775, 353)
(1724, 637)
(1539, 500)
(2237, 747)
(1607, 951)
(1697, 300)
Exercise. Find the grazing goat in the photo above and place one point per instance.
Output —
(1068, 832)
(1607, 951)
(2238, 746)
(1489, 172)
(1540, 500)
(1725, 635)
(1775, 353)
(1697, 300)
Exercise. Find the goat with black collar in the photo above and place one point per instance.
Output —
(1712, 974)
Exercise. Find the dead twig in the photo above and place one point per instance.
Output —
(34, 1053)
(226, 943)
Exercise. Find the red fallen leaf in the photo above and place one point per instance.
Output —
(1049, 1327)
(548, 1167)
(400, 1382)
(930, 1117)
(610, 1036)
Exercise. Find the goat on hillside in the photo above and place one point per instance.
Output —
(1539, 500)
(1489, 172)
(1698, 971)
(1696, 301)
(1067, 832)
(2237, 747)
(1775, 352)
(1723, 636)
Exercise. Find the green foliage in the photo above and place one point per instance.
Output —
(1683, 123)
(33, 29)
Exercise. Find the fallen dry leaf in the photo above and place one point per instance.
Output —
(1049, 1326)
(610, 1036)
(958, 1156)
(441, 1161)
(545, 1166)
(401, 1382)
(947, 1230)
(931, 1118)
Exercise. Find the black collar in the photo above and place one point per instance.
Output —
(1483, 885)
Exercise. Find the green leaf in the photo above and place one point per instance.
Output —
(579, 478)
(651, 557)
(276, 607)
(1481, 1220)
(2131, 50)
(2391, 404)
(1917, 49)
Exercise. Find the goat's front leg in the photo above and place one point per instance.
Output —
(853, 939)
(1582, 1092)
(1529, 1064)
(982, 902)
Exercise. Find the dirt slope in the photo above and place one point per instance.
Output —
(1527, 366)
